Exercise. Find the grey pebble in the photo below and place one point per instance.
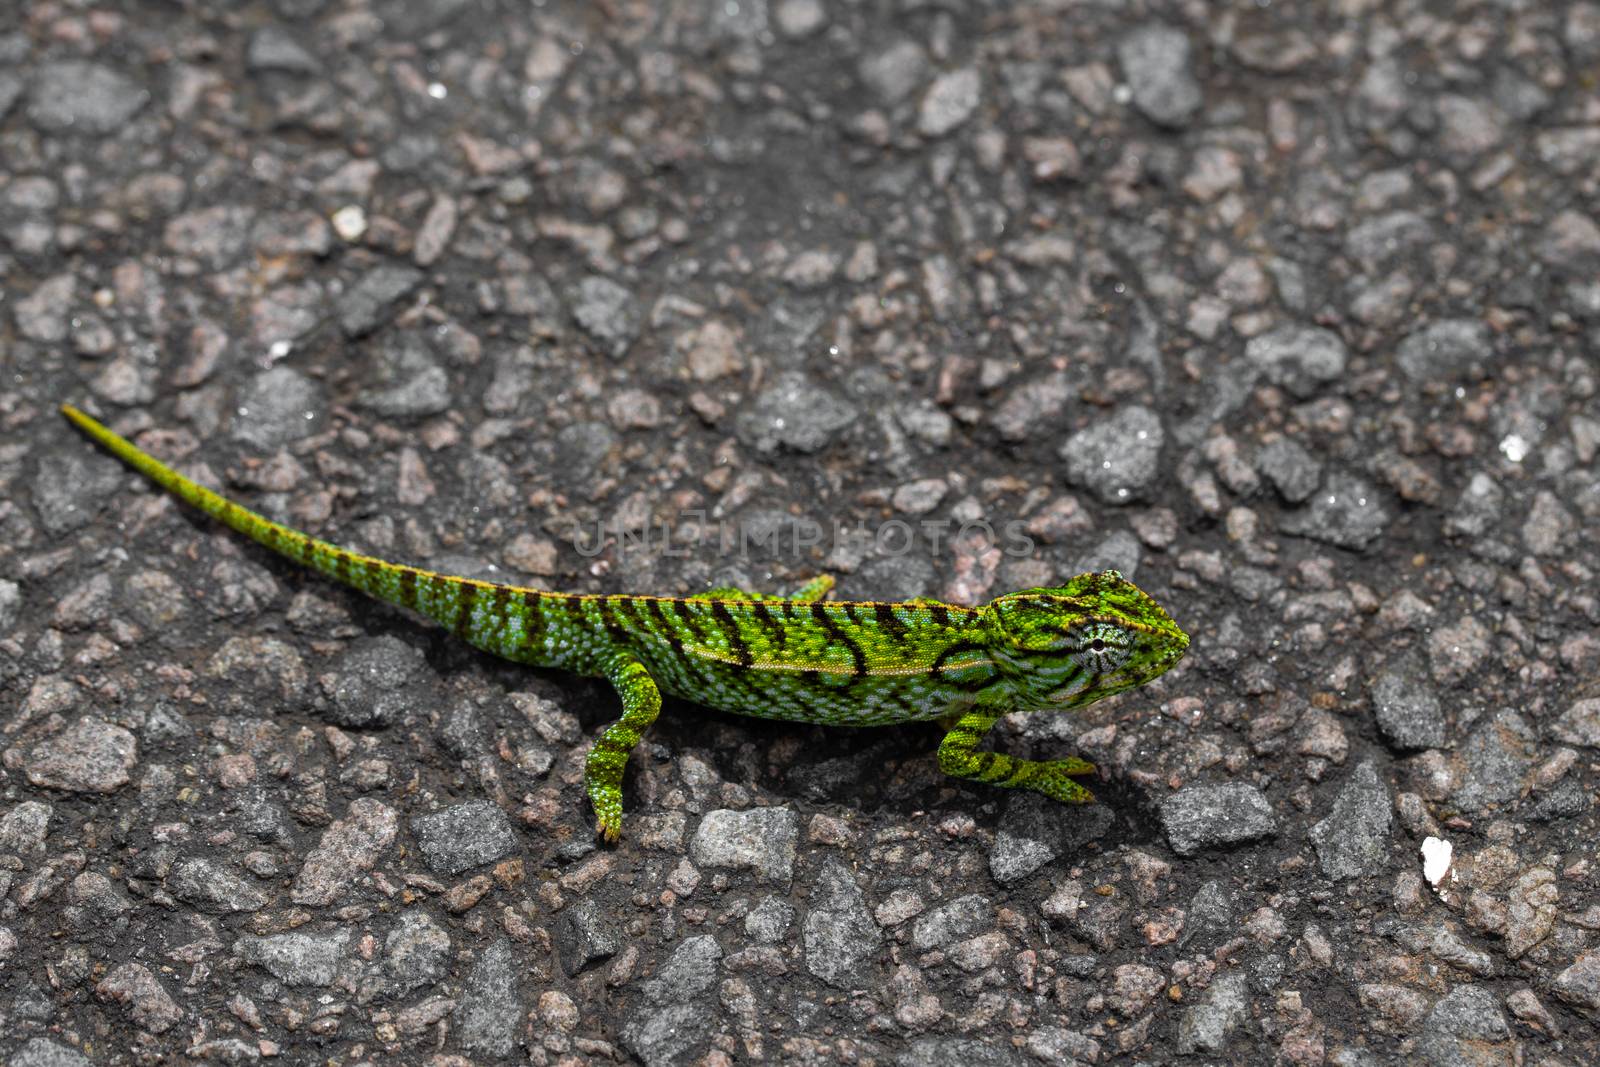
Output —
(1299, 358)
(464, 836)
(298, 958)
(24, 828)
(278, 406)
(955, 921)
(271, 48)
(252, 671)
(377, 683)
(840, 934)
(1579, 724)
(372, 301)
(1353, 841)
(1463, 1028)
(666, 1037)
(761, 839)
(1035, 832)
(410, 382)
(585, 935)
(769, 921)
(949, 102)
(70, 486)
(1494, 759)
(1119, 457)
(45, 315)
(607, 312)
(1294, 472)
(1446, 350)
(1345, 512)
(1157, 62)
(416, 952)
(10, 605)
(1579, 985)
(690, 971)
(489, 1008)
(894, 73)
(40, 1052)
(211, 887)
(75, 96)
(957, 1052)
(1210, 816)
(1206, 1026)
(90, 756)
(1406, 706)
(794, 412)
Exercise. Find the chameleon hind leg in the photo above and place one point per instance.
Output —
(958, 758)
(815, 589)
(602, 773)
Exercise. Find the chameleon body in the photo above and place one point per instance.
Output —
(799, 658)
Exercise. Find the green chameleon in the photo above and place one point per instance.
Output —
(796, 658)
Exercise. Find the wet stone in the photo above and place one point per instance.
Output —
(1494, 760)
(762, 839)
(1579, 724)
(585, 935)
(136, 988)
(1299, 358)
(272, 49)
(794, 412)
(464, 836)
(1035, 832)
(253, 670)
(70, 486)
(40, 1052)
(416, 953)
(377, 683)
(24, 827)
(1353, 841)
(1345, 512)
(489, 1007)
(1214, 816)
(1157, 62)
(411, 383)
(1205, 1027)
(90, 756)
(216, 236)
(373, 300)
(950, 101)
(1406, 707)
(278, 406)
(667, 1037)
(690, 971)
(1579, 985)
(85, 98)
(769, 922)
(349, 846)
(1117, 458)
(839, 933)
(213, 888)
(958, 1052)
(608, 313)
(297, 959)
(1294, 472)
(959, 919)
(1466, 1029)
(894, 73)
(45, 315)
(1444, 351)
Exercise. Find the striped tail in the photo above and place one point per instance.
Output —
(446, 599)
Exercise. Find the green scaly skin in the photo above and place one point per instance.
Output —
(796, 658)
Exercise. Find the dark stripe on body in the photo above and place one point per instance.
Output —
(730, 629)
(819, 611)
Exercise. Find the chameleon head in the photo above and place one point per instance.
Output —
(1099, 634)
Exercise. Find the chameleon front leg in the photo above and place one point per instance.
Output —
(958, 759)
(602, 773)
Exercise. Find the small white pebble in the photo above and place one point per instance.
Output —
(1436, 855)
(350, 222)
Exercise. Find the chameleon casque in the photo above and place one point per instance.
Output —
(799, 658)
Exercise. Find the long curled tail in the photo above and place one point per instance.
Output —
(446, 599)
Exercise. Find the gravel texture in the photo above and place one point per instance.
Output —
(1289, 311)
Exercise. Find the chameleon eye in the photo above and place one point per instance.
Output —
(1098, 644)
(1102, 647)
